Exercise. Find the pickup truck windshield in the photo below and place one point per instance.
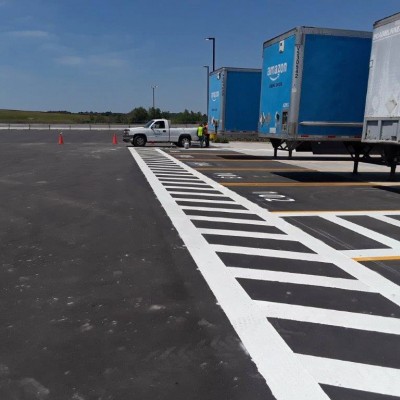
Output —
(149, 123)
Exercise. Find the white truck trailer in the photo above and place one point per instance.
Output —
(159, 131)
(382, 111)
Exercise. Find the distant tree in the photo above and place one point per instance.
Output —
(138, 115)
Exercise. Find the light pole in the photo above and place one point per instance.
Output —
(213, 40)
(208, 88)
(154, 103)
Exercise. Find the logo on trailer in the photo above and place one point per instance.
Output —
(214, 96)
(275, 71)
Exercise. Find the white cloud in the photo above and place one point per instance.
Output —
(35, 34)
(107, 61)
(70, 60)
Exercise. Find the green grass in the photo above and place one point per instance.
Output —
(39, 117)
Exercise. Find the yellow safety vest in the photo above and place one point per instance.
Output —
(200, 131)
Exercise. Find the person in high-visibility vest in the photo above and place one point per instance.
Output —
(206, 136)
(200, 134)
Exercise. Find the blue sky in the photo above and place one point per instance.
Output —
(104, 55)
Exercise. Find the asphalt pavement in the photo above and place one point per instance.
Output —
(100, 298)
(220, 273)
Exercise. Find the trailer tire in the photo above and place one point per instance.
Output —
(183, 140)
(139, 141)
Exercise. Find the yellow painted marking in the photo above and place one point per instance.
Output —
(308, 184)
(254, 169)
(387, 258)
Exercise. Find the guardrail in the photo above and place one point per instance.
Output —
(64, 127)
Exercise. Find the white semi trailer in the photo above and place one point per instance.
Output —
(382, 111)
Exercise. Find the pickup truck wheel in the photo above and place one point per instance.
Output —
(184, 140)
(139, 141)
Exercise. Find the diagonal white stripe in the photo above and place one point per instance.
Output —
(222, 210)
(369, 378)
(300, 279)
(229, 220)
(247, 234)
(324, 316)
(290, 255)
(385, 240)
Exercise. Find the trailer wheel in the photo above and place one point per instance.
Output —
(139, 141)
(183, 140)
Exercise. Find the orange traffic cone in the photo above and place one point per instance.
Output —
(115, 141)
(60, 138)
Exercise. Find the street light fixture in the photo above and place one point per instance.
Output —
(208, 88)
(154, 103)
(213, 40)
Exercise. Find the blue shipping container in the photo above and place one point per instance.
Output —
(314, 84)
(234, 101)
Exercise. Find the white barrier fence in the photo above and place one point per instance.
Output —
(80, 127)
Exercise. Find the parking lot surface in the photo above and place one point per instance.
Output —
(160, 273)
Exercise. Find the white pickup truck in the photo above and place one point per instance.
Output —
(159, 131)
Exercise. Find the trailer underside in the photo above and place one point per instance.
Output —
(372, 153)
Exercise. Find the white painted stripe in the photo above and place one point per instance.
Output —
(222, 210)
(275, 361)
(173, 168)
(384, 286)
(338, 213)
(197, 194)
(178, 179)
(368, 378)
(172, 174)
(191, 188)
(169, 170)
(192, 183)
(360, 230)
(387, 220)
(204, 201)
(371, 253)
(229, 220)
(159, 163)
(246, 234)
(300, 279)
(323, 316)
(290, 255)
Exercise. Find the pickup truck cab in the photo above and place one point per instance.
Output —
(159, 131)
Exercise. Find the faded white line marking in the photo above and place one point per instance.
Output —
(385, 219)
(370, 253)
(377, 237)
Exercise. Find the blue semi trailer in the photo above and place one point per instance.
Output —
(234, 99)
(313, 90)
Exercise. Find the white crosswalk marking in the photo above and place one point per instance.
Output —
(289, 375)
(258, 235)
(351, 375)
(301, 279)
(364, 231)
(373, 323)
